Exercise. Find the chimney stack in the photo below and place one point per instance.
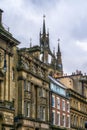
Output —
(1, 11)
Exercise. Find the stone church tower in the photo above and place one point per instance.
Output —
(44, 44)
(46, 55)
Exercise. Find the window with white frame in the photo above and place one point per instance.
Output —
(53, 101)
(68, 121)
(63, 120)
(68, 107)
(58, 103)
(63, 105)
(53, 117)
(58, 118)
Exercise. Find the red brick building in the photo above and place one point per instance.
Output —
(59, 105)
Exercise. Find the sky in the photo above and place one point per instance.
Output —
(65, 19)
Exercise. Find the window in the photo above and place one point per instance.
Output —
(68, 121)
(43, 116)
(53, 101)
(63, 105)
(27, 109)
(27, 85)
(42, 113)
(63, 120)
(58, 89)
(53, 117)
(42, 92)
(62, 91)
(68, 107)
(58, 119)
(52, 86)
(58, 103)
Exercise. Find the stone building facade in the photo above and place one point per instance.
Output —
(77, 92)
(7, 85)
(33, 93)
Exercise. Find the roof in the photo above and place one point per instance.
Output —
(8, 36)
(57, 82)
(34, 48)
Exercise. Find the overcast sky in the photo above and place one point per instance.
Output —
(65, 19)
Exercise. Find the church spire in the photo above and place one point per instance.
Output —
(58, 46)
(59, 59)
(44, 29)
(44, 44)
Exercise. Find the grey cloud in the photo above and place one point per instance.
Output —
(66, 20)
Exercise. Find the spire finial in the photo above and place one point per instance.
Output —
(58, 40)
(58, 45)
(54, 51)
(30, 42)
(44, 16)
(44, 30)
